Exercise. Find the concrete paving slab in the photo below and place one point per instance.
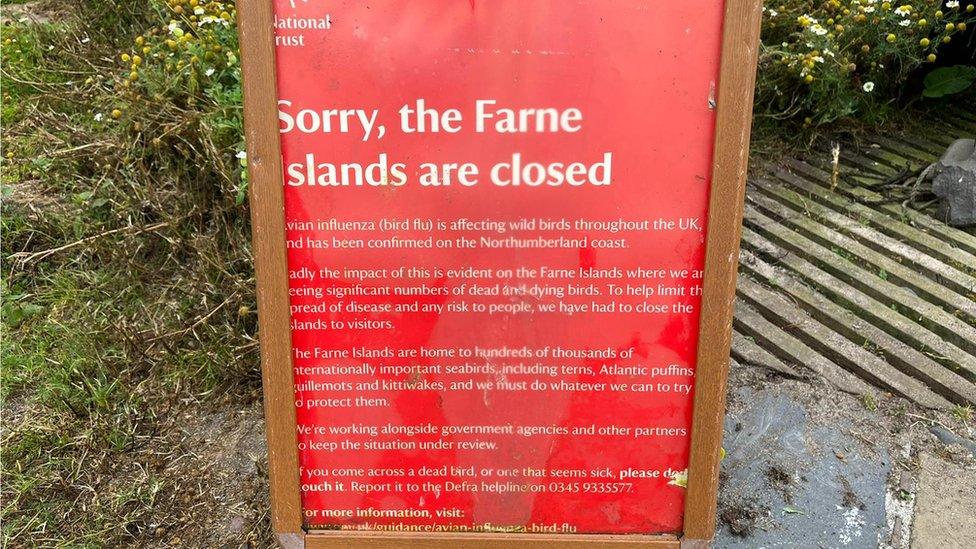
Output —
(945, 509)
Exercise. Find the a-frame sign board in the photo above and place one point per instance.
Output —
(496, 246)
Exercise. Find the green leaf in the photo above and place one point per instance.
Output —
(241, 194)
(792, 511)
(679, 478)
(949, 80)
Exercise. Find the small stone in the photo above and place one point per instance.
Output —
(896, 533)
(905, 481)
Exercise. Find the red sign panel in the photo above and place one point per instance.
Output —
(495, 219)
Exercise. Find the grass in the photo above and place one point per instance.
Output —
(126, 293)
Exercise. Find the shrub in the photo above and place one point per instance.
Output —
(181, 86)
(821, 61)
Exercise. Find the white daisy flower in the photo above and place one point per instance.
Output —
(868, 87)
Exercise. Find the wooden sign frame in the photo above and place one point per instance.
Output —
(740, 43)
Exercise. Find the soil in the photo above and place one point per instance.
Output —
(213, 470)
(780, 480)
(743, 517)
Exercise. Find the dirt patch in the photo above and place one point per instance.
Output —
(29, 196)
(848, 496)
(781, 481)
(742, 518)
(41, 11)
(219, 469)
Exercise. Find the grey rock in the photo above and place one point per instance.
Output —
(955, 183)
(949, 438)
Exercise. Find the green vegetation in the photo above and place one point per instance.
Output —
(949, 80)
(823, 61)
(127, 285)
(963, 413)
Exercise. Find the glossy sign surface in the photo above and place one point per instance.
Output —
(495, 216)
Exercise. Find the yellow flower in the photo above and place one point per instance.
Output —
(808, 78)
(136, 60)
(922, 22)
(125, 57)
(950, 27)
(924, 42)
(891, 38)
(116, 113)
(931, 58)
(961, 26)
